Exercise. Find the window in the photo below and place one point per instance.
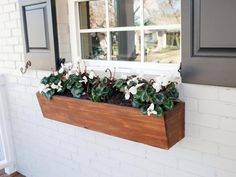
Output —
(138, 31)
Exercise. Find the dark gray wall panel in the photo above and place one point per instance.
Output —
(218, 23)
(208, 45)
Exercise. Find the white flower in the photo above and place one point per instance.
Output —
(67, 76)
(123, 76)
(156, 86)
(54, 86)
(43, 88)
(151, 110)
(85, 80)
(65, 67)
(133, 90)
(46, 90)
(59, 86)
(92, 75)
(55, 73)
(127, 93)
(163, 80)
(61, 70)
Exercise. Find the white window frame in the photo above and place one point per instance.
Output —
(126, 66)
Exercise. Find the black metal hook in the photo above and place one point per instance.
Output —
(27, 66)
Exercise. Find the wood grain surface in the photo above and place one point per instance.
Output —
(124, 122)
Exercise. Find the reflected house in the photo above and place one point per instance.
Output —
(157, 40)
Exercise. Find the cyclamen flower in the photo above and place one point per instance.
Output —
(55, 73)
(123, 76)
(163, 80)
(44, 88)
(151, 110)
(85, 80)
(157, 86)
(92, 75)
(133, 90)
(65, 67)
(127, 93)
(54, 86)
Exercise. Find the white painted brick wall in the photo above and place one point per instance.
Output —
(45, 148)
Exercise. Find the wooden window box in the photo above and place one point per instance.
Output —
(124, 122)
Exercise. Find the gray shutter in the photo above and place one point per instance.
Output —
(209, 42)
(38, 19)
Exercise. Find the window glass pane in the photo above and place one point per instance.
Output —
(125, 46)
(92, 14)
(161, 12)
(162, 46)
(124, 13)
(94, 46)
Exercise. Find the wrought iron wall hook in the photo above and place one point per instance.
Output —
(27, 65)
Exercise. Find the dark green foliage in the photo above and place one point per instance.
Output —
(102, 90)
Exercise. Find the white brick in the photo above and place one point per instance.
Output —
(228, 124)
(219, 136)
(217, 108)
(221, 173)
(227, 152)
(202, 119)
(4, 17)
(192, 130)
(9, 8)
(11, 24)
(199, 145)
(227, 94)
(174, 172)
(220, 163)
(200, 91)
(196, 168)
(191, 104)
(15, 57)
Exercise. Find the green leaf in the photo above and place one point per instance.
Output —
(49, 94)
(45, 80)
(168, 104)
(159, 111)
(144, 97)
(144, 109)
(119, 84)
(77, 92)
(136, 103)
(158, 98)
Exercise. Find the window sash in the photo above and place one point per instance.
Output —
(76, 40)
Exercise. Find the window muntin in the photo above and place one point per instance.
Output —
(131, 38)
(125, 46)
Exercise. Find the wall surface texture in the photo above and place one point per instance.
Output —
(46, 148)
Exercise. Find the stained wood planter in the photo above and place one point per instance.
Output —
(124, 122)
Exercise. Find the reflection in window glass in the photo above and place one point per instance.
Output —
(124, 13)
(162, 46)
(125, 46)
(92, 14)
(161, 12)
(94, 46)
